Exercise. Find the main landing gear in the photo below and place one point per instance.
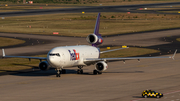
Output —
(60, 71)
(95, 72)
(80, 71)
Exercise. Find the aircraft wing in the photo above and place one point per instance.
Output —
(113, 50)
(28, 57)
(125, 58)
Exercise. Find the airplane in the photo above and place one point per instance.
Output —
(80, 55)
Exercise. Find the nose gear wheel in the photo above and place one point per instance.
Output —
(58, 73)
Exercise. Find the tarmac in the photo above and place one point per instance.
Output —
(120, 82)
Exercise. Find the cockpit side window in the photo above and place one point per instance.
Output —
(54, 54)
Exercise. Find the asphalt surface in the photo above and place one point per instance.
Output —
(120, 82)
(122, 8)
(123, 82)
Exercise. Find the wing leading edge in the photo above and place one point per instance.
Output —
(125, 58)
(28, 57)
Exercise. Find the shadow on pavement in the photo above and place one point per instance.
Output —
(137, 97)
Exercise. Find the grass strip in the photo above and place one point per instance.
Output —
(130, 52)
(78, 24)
(10, 41)
(21, 8)
(178, 39)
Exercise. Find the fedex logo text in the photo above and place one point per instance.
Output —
(74, 55)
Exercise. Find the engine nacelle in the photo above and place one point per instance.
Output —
(94, 39)
(101, 66)
(44, 65)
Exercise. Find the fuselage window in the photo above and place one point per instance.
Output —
(54, 54)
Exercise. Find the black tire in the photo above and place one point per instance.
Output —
(99, 72)
(78, 71)
(58, 75)
(158, 96)
(95, 72)
(145, 96)
(81, 71)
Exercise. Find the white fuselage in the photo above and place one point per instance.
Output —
(68, 56)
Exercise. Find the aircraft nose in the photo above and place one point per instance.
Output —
(52, 61)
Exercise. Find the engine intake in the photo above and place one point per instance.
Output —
(94, 39)
(101, 66)
(44, 65)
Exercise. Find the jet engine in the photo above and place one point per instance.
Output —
(44, 65)
(101, 66)
(94, 39)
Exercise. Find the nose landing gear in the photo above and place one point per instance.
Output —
(58, 73)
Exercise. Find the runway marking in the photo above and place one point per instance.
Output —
(163, 94)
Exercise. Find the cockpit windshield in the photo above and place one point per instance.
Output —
(54, 54)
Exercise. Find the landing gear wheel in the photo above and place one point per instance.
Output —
(95, 72)
(58, 73)
(99, 72)
(79, 71)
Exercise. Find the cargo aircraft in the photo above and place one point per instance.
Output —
(80, 55)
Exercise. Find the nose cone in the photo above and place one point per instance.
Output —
(54, 57)
(52, 61)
